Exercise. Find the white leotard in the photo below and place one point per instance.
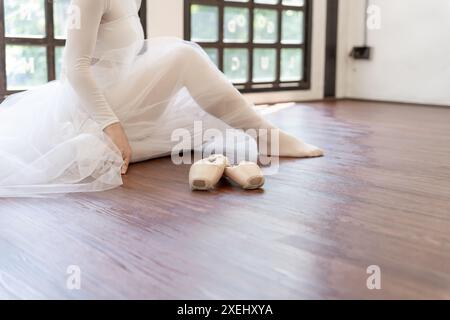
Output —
(103, 25)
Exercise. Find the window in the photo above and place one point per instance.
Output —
(260, 45)
(32, 38)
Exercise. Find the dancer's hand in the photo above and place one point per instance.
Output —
(118, 136)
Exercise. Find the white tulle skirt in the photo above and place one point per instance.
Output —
(49, 144)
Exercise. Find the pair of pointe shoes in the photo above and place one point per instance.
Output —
(206, 173)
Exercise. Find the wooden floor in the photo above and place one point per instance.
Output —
(381, 196)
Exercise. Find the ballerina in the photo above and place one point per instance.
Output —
(119, 98)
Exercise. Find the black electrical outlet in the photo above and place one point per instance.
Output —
(361, 53)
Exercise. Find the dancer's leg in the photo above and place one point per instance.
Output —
(217, 96)
(188, 66)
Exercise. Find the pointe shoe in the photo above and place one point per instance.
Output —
(206, 173)
(247, 174)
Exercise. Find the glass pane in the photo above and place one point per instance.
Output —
(58, 60)
(213, 55)
(265, 26)
(205, 23)
(25, 18)
(298, 3)
(26, 66)
(267, 1)
(292, 31)
(264, 65)
(291, 64)
(236, 0)
(60, 17)
(236, 65)
(236, 26)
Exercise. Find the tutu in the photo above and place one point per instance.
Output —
(47, 145)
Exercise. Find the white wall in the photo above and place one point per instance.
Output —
(165, 18)
(411, 59)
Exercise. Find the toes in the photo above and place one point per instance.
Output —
(314, 151)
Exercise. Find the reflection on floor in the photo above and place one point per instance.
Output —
(381, 196)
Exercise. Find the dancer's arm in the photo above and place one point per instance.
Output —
(80, 45)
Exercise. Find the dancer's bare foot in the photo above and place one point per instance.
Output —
(290, 146)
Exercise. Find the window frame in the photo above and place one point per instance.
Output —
(48, 41)
(249, 86)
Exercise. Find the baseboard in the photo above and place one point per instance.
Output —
(376, 101)
(399, 102)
